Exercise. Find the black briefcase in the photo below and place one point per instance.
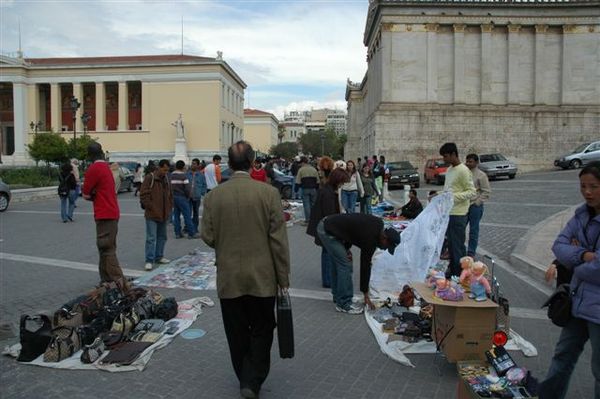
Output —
(285, 326)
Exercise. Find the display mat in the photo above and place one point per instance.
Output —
(196, 271)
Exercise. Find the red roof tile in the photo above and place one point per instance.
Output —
(256, 112)
(134, 59)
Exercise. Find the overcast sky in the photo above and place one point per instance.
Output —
(292, 54)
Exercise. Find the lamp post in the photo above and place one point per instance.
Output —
(322, 143)
(35, 127)
(75, 104)
(85, 118)
(232, 132)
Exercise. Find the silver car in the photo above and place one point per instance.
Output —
(4, 196)
(496, 165)
(580, 156)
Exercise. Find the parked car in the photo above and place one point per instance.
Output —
(401, 173)
(496, 165)
(435, 171)
(580, 156)
(282, 182)
(127, 182)
(4, 196)
(131, 165)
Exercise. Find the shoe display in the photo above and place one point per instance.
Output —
(148, 266)
(163, 261)
(352, 309)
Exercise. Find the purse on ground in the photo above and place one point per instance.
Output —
(285, 325)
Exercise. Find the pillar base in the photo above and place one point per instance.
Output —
(181, 151)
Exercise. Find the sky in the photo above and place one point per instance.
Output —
(292, 54)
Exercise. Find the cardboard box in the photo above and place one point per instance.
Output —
(463, 330)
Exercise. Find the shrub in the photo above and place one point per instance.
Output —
(29, 177)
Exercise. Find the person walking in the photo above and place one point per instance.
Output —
(252, 264)
(182, 192)
(369, 188)
(156, 198)
(308, 180)
(326, 204)
(99, 187)
(459, 181)
(137, 178)
(475, 213)
(198, 190)
(338, 233)
(67, 192)
(212, 173)
(352, 189)
(577, 247)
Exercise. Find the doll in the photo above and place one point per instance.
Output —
(466, 264)
(448, 290)
(480, 286)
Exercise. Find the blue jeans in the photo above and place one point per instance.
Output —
(365, 205)
(67, 205)
(456, 232)
(156, 238)
(341, 272)
(309, 196)
(473, 218)
(325, 268)
(349, 200)
(195, 206)
(568, 348)
(181, 206)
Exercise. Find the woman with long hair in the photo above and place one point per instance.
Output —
(67, 192)
(352, 189)
(369, 188)
(137, 178)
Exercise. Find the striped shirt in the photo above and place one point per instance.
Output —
(180, 184)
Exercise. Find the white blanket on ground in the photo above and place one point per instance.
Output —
(419, 249)
(189, 311)
(397, 350)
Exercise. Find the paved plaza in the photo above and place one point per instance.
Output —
(44, 263)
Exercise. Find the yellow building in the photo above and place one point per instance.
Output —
(132, 104)
(260, 129)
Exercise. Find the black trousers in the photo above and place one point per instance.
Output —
(249, 322)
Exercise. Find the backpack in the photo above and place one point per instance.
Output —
(63, 187)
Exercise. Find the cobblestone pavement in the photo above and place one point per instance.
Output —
(336, 355)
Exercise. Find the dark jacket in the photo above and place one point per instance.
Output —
(69, 180)
(156, 197)
(412, 209)
(326, 204)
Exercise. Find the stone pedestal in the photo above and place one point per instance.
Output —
(181, 150)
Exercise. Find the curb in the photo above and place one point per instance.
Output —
(33, 194)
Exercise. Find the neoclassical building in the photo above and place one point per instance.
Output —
(521, 78)
(260, 129)
(131, 103)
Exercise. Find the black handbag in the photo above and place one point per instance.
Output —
(35, 333)
(559, 305)
(285, 326)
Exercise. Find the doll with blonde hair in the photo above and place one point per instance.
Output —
(480, 286)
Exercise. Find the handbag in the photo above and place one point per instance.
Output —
(35, 333)
(285, 326)
(125, 353)
(559, 305)
(92, 352)
(64, 343)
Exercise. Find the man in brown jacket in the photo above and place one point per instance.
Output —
(156, 198)
(252, 261)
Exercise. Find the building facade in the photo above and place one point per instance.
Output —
(521, 78)
(292, 131)
(132, 104)
(260, 129)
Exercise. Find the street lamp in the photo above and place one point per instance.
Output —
(85, 118)
(232, 132)
(35, 127)
(322, 143)
(75, 104)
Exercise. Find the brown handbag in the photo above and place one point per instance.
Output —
(65, 341)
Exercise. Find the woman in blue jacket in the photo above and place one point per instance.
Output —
(578, 248)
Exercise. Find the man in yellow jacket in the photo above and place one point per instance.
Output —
(459, 181)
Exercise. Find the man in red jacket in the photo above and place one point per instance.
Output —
(99, 187)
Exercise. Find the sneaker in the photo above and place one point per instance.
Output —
(197, 235)
(148, 266)
(352, 309)
(163, 261)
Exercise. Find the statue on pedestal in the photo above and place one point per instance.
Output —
(180, 142)
(179, 127)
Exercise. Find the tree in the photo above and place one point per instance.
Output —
(48, 147)
(79, 150)
(285, 150)
(332, 146)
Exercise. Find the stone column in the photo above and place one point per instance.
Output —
(78, 93)
(565, 66)
(20, 114)
(513, 64)
(459, 63)
(100, 107)
(145, 106)
(55, 107)
(123, 107)
(487, 67)
(539, 96)
(432, 65)
(34, 108)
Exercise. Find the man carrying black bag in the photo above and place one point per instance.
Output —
(253, 262)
